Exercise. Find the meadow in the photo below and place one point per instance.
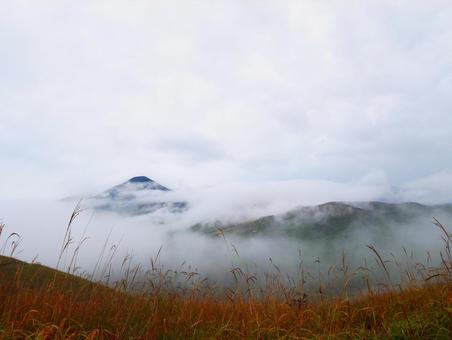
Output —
(389, 300)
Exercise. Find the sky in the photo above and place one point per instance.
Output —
(196, 94)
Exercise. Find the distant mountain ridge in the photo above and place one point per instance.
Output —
(331, 219)
(138, 196)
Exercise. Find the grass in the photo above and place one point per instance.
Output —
(38, 302)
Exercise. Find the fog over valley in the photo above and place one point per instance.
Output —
(265, 228)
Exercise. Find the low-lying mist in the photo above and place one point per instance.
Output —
(100, 238)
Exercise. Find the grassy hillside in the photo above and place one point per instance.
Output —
(39, 302)
(330, 220)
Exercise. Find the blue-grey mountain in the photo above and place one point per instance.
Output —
(137, 196)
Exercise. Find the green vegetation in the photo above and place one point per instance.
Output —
(330, 220)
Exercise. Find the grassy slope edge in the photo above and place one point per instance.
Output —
(40, 302)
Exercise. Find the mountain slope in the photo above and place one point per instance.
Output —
(137, 196)
(36, 276)
(329, 220)
(131, 188)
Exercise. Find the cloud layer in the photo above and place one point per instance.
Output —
(197, 94)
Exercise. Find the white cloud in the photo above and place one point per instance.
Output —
(435, 188)
(195, 93)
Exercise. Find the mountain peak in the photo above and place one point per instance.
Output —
(136, 197)
(140, 179)
(143, 183)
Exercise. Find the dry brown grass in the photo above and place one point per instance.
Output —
(42, 303)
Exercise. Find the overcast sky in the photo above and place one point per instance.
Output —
(201, 93)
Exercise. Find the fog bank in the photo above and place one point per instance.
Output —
(42, 225)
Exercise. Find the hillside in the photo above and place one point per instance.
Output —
(39, 302)
(330, 220)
